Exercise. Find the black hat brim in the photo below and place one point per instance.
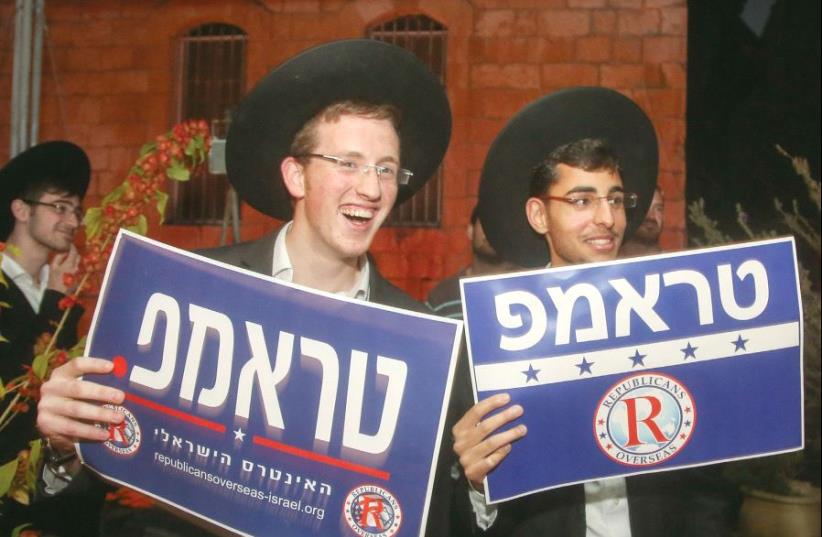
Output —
(539, 128)
(265, 123)
(64, 163)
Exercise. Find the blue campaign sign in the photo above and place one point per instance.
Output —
(641, 365)
(266, 408)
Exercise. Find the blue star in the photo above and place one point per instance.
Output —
(689, 351)
(739, 343)
(531, 374)
(602, 435)
(637, 359)
(585, 366)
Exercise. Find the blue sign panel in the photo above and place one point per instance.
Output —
(266, 408)
(641, 365)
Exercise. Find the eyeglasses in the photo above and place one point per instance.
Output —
(349, 167)
(62, 208)
(588, 201)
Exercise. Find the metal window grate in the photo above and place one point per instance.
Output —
(211, 82)
(427, 39)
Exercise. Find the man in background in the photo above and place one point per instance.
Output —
(41, 192)
(645, 240)
(444, 299)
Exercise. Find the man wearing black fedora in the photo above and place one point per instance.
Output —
(41, 192)
(329, 141)
(565, 181)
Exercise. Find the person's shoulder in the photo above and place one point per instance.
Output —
(384, 292)
(445, 299)
(255, 254)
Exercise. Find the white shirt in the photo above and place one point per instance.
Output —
(283, 270)
(23, 280)
(606, 508)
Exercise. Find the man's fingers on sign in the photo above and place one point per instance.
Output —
(478, 448)
(69, 406)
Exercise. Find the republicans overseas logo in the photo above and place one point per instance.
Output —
(125, 437)
(644, 419)
(372, 511)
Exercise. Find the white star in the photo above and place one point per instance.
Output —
(239, 434)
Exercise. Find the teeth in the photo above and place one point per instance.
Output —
(600, 242)
(353, 212)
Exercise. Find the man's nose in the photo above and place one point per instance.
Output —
(368, 183)
(604, 213)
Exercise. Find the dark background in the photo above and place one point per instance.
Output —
(753, 82)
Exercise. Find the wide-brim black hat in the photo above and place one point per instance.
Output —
(63, 163)
(264, 124)
(547, 123)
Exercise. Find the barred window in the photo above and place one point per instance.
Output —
(211, 82)
(426, 38)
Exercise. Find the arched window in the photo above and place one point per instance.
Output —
(211, 82)
(426, 38)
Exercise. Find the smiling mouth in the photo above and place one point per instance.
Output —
(357, 215)
(601, 242)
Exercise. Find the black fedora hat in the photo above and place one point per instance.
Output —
(545, 124)
(264, 124)
(63, 163)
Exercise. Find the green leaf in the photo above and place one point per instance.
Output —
(34, 463)
(178, 172)
(5, 305)
(141, 227)
(147, 148)
(40, 365)
(2, 389)
(78, 349)
(162, 200)
(191, 148)
(201, 152)
(19, 529)
(114, 195)
(7, 472)
(92, 220)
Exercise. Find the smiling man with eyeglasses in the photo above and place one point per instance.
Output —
(578, 203)
(566, 180)
(41, 191)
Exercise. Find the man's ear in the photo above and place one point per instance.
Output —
(537, 215)
(294, 177)
(20, 210)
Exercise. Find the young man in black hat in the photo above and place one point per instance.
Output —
(331, 140)
(41, 192)
(594, 177)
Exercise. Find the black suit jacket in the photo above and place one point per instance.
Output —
(693, 503)
(258, 256)
(20, 325)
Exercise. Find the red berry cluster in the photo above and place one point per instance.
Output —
(170, 156)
